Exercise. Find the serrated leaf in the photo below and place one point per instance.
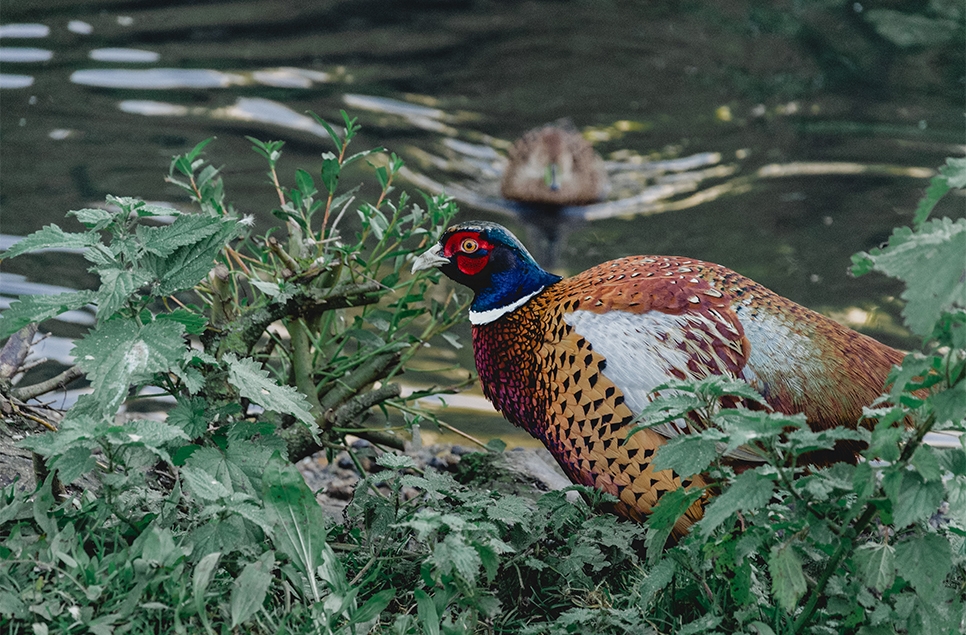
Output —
(749, 491)
(787, 577)
(453, 554)
(203, 485)
(950, 404)
(913, 499)
(956, 497)
(117, 286)
(254, 383)
(393, 461)
(51, 236)
(188, 265)
(94, 218)
(686, 455)
(190, 416)
(876, 565)
(37, 308)
(147, 432)
(938, 187)
(931, 264)
(249, 590)
(925, 461)
(73, 463)
(924, 561)
(510, 510)
(185, 230)
(119, 353)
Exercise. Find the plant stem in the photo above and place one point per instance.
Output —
(845, 546)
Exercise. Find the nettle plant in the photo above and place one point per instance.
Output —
(272, 350)
(876, 547)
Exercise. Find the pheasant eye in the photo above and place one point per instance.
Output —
(469, 245)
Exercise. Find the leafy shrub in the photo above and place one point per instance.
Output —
(202, 522)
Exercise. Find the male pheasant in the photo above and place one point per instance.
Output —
(573, 360)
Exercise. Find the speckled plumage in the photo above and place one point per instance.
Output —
(573, 364)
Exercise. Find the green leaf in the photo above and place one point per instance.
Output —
(201, 578)
(95, 218)
(496, 445)
(954, 172)
(924, 561)
(117, 286)
(911, 29)
(664, 516)
(148, 433)
(299, 522)
(787, 577)
(686, 454)
(249, 590)
(930, 262)
(510, 510)
(393, 461)
(426, 610)
(913, 499)
(37, 308)
(185, 230)
(254, 383)
(203, 485)
(950, 404)
(876, 565)
(938, 187)
(924, 460)
(956, 497)
(188, 265)
(373, 607)
(119, 353)
(73, 463)
(454, 554)
(190, 415)
(330, 171)
(705, 624)
(749, 491)
(194, 323)
(51, 236)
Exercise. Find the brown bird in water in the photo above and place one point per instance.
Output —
(554, 166)
(573, 360)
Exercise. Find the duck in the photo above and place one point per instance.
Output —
(554, 166)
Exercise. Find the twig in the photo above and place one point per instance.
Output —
(35, 390)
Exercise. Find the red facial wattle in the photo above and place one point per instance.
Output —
(471, 250)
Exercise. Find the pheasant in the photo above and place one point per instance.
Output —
(572, 361)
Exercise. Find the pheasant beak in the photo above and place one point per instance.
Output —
(429, 259)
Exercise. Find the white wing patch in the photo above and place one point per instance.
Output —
(641, 349)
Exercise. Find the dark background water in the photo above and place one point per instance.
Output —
(760, 83)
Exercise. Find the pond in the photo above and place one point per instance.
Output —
(794, 134)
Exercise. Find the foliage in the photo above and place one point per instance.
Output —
(201, 522)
